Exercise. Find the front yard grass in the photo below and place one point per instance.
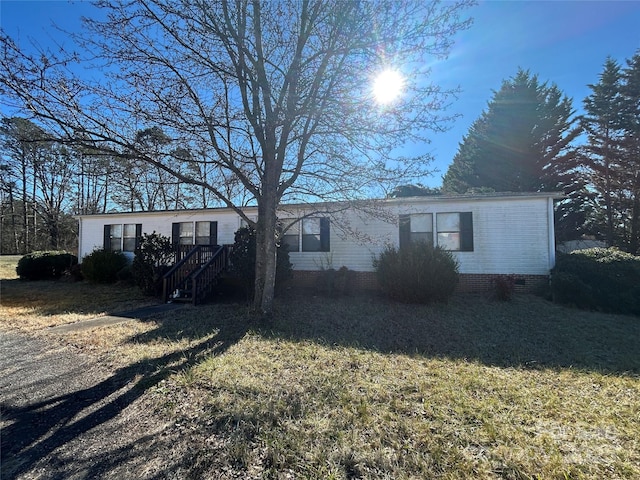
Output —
(363, 388)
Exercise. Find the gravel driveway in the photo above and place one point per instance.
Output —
(64, 416)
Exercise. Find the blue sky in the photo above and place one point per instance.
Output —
(564, 42)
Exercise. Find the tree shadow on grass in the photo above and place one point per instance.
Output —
(34, 430)
(55, 297)
(527, 332)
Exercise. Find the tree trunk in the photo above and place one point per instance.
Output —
(265, 255)
(607, 197)
(16, 236)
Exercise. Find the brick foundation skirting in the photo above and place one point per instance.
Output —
(469, 282)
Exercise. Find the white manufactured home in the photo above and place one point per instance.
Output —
(489, 234)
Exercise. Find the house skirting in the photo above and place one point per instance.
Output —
(469, 282)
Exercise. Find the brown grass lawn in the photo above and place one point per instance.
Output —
(360, 387)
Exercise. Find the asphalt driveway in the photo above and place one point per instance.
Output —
(64, 416)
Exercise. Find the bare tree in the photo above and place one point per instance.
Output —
(275, 96)
(23, 146)
(93, 175)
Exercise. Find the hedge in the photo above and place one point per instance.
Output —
(604, 279)
(45, 265)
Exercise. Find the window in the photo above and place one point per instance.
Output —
(194, 233)
(315, 235)
(185, 236)
(115, 242)
(454, 231)
(203, 233)
(421, 228)
(122, 238)
(448, 227)
(416, 228)
(291, 235)
(243, 222)
(306, 235)
(129, 239)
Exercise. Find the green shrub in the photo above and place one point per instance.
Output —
(152, 260)
(603, 279)
(125, 275)
(46, 265)
(417, 273)
(334, 282)
(102, 266)
(242, 263)
(568, 288)
(504, 286)
(75, 273)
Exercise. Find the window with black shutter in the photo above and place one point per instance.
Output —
(453, 230)
(311, 234)
(122, 238)
(194, 233)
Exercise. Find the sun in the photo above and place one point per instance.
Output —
(387, 86)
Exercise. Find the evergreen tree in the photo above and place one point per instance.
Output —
(612, 155)
(521, 143)
(602, 122)
(631, 150)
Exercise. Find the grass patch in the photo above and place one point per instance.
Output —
(323, 411)
(8, 264)
(365, 388)
(34, 305)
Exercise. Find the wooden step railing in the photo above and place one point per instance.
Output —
(189, 264)
(203, 281)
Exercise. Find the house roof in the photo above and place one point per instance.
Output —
(506, 196)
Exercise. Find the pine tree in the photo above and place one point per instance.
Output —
(631, 149)
(522, 142)
(603, 125)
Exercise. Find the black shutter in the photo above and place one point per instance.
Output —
(405, 230)
(466, 232)
(325, 245)
(138, 234)
(175, 233)
(107, 238)
(213, 233)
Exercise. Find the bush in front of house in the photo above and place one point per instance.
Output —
(151, 261)
(604, 279)
(102, 266)
(125, 275)
(568, 288)
(242, 262)
(504, 286)
(334, 282)
(417, 273)
(45, 265)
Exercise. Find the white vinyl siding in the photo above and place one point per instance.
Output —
(511, 235)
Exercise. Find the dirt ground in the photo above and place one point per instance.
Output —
(66, 416)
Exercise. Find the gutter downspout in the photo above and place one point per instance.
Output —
(552, 233)
(79, 239)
